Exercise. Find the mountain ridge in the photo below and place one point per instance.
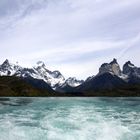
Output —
(54, 78)
(109, 78)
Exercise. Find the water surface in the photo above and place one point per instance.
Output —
(69, 118)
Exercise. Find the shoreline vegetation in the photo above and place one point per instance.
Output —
(11, 86)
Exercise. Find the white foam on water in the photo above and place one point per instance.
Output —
(77, 126)
(68, 120)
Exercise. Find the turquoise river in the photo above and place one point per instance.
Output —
(70, 118)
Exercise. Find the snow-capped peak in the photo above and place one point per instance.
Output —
(53, 78)
(129, 64)
(73, 82)
(7, 68)
(40, 64)
(39, 71)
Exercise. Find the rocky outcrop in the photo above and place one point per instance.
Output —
(130, 69)
(112, 67)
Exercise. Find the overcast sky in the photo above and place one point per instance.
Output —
(72, 36)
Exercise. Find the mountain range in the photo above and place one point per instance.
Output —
(53, 78)
(109, 81)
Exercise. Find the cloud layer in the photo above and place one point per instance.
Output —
(73, 36)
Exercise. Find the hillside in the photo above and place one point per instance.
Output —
(14, 86)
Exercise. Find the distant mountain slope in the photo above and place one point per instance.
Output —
(69, 85)
(14, 86)
(102, 82)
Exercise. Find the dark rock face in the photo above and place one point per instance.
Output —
(5, 66)
(101, 82)
(112, 67)
(130, 69)
(39, 84)
(25, 72)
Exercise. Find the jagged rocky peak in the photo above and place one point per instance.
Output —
(129, 64)
(73, 82)
(115, 67)
(129, 68)
(112, 67)
(7, 68)
(40, 64)
(114, 61)
(41, 67)
(6, 63)
(57, 74)
(53, 78)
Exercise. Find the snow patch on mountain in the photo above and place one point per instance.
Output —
(130, 69)
(8, 69)
(39, 71)
(73, 82)
(57, 81)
